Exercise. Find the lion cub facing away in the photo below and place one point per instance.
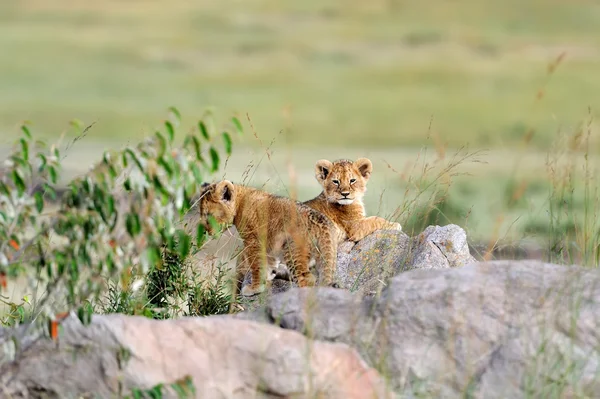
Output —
(344, 185)
(271, 226)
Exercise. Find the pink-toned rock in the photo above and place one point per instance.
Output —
(225, 357)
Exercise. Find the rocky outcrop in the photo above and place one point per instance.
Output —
(225, 358)
(366, 266)
(501, 329)
(496, 330)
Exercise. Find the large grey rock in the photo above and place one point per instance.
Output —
(487, 330)
(225, 357)
(365, 267)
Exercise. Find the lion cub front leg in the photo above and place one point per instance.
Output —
(254, 262)
(361, 228)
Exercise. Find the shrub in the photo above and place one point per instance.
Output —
(112, 225)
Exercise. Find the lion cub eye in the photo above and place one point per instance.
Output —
(352, 181)
(336, 182)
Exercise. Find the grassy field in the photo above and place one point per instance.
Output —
(340, 73)
(325, 79)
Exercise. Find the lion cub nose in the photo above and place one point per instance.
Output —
(346, 193)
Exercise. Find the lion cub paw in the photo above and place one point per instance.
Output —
(249, 291)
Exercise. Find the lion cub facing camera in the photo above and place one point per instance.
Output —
(344, 185)
(272, 227)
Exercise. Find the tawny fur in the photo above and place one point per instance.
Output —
(271, 228)
(344, 185)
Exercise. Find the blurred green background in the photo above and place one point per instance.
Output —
(397, 81)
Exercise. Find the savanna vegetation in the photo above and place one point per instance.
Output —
(478, 113)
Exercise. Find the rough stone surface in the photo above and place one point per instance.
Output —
(440, 248)
(226, 358)
(500, 329)
(366, 266)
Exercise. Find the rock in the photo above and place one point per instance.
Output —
(496, 330)
(225, 357)
(366, 266)
(440, 248)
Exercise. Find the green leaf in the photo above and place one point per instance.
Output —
(175, 113)
(21, 312)
(25, 130)
(170, 242)
(184, 244)
(112, 172)
(153, 255)
(49, 270)
(156, 391)
(170, 131)
(110, 202)
(71, 288)
(184, 387)
(129, 152)
(166, 167)
(4, 188)
(194, 140)
(39, 201)
(53, 174)
(44, 161)
(200, 235)
(110, 264)
(197, 173)
(19, 183)
(48, 189)
(214, 156)
(238, 125)
(213, 224)
(228, 143)
(159, 186)
(25, 149)
(133, 224)
(84, 313)
(74, 270)
(162, 144)
(204, 130)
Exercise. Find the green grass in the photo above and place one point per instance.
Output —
(338, 78)
(353, 74)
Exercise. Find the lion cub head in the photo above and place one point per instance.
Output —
(344, 181)
(217, 200)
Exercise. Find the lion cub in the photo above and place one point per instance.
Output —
(270, 227)
(344, 185)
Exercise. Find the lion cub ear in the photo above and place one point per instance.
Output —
(225, 190)
(364, 166)
(322, 169)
